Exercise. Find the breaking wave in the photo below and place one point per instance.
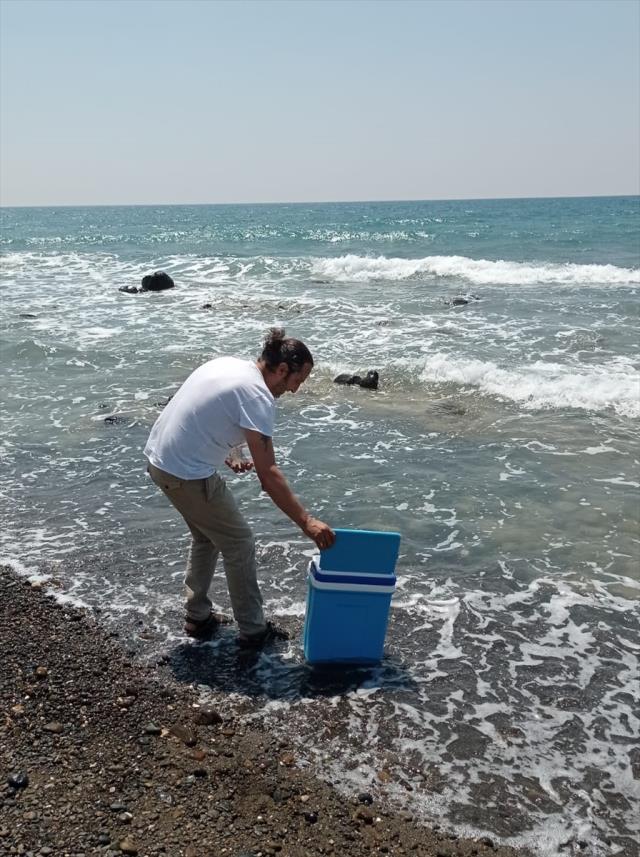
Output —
(543, 385)
(478, 272)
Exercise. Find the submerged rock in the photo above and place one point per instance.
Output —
(463, 300)
(369, 382)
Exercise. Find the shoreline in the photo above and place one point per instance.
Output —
(109, 756)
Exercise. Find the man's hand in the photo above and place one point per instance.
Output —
(321, 533)
(242, 466)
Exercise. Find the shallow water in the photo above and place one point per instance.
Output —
(502, 444)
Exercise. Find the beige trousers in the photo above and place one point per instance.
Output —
(217, 527)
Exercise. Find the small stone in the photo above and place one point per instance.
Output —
(304, 798)
(125, 817)
(311, 817)
(127, 846)
(53, 727)
(185, 735)
(104, 839)
(384, 776)
(208, 717)
(152, 729)
(19, 780)
(17, 710)
(288, 760)
(365, 798)
(364, 814)
(199, 755)
(42, 672)
(484, 840)
(118, 807)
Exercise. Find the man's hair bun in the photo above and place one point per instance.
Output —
(279, 348)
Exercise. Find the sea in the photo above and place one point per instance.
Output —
(502, 444)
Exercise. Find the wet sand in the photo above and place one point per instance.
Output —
(103, 754)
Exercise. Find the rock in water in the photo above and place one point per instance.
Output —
(369, 382)
(157, 282)
(345, 378)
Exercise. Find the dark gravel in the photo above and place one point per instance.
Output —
(103, 755)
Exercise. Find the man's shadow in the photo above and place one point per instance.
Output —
(279, 671)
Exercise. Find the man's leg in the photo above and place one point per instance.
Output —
(201, 564)
(208, 506)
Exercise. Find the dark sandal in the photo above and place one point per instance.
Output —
(271, 634)
(207, 628)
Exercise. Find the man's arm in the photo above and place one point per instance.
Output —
(274, 483)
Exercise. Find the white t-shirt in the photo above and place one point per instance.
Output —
(194, 434)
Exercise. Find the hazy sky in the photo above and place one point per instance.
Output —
(176, 102)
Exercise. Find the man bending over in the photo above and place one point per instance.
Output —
(223, 404)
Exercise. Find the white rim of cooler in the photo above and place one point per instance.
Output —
(315, 561)
(351, 587)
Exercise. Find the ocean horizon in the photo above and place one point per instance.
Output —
(315, 202)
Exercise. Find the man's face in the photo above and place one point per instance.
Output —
(289, 381)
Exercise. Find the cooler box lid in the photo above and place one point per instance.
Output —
(363, 551)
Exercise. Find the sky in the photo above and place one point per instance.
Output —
(159, 102)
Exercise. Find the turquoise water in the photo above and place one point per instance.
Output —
(502, 444)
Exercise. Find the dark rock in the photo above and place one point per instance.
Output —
(162, 404)
(365, 798)
(19, 780)
(129, 290)
(311, 817)
(463, 300)
(208, 716)
(27, 315)
(152, 729)
(206, 306)
(157, 282)
(369, 382)
(53, 727)
(364, 814)
(115, 420)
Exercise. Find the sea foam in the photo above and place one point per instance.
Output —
(543, 385)
(477, 272)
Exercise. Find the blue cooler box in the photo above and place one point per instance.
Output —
(349, 595)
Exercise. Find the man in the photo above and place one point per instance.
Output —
(222, 404)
